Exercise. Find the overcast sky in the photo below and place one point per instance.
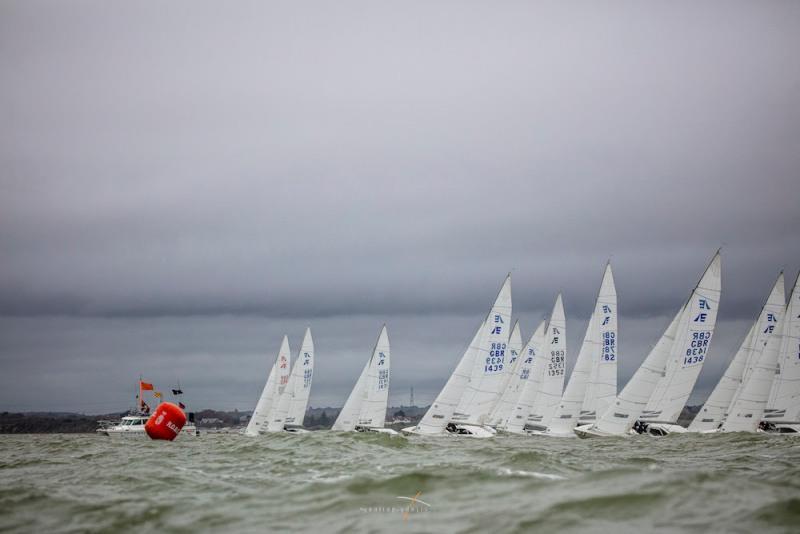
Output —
(182, 183)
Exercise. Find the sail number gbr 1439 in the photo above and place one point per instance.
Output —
(494, 362)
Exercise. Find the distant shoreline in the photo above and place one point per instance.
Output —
(73, 423)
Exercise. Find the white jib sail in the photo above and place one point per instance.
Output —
(490, 365)
(299, 386)
(587, 364)
(509, 391)
(348, 417)
(259, 419)
(441, 411)
(524, 384)
(619, 418)
(784, 398)
(552, 382)
(602, 388)
(715, 409)
(376, 392)
(689, 351)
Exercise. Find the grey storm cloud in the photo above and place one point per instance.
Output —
(180, 183)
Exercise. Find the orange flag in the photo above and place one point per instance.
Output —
(157, 394)
(145, 386)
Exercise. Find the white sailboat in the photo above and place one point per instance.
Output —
(783, 407)
(292, 404)
(529, 379)
(276, 381)
(713, 412)
(685, 343)
(551, 387)
(509, 391)
(595, 369)
(463, 405)
(750, 401)
(365, 408)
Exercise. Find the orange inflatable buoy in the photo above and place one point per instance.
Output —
(166, 422)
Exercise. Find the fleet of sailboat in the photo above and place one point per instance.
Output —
(500, 385)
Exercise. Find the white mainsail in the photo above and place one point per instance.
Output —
(366, 405)
(596, 346)
(261, 415)
(689, 351)
(602, 388)
(713, 412)
(510, 390)
(528, 381)
(280, 404)
(376, 394)
(302, 377)
(678, 338)
(444, 406)
(489, 369)
(552, 379)
(784, 399)
(747, 409)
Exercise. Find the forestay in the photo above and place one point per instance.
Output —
(259, 419)
(713, 412)
(552, 379)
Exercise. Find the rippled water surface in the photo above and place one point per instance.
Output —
(332, 482)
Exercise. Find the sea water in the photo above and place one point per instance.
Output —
(331, 482)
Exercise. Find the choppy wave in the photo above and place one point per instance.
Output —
(335, 482)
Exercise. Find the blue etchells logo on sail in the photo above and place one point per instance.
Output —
(383, 372)
(495, 361)
(701, 327)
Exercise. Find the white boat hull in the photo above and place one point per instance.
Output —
(587, 431)
(139, 433)
(662, 429)
(468, 431)
(377, 430)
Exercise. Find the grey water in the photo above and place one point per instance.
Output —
(330, 482)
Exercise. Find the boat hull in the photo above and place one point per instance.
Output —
(587, 431)
(663, 429)
(468, 431)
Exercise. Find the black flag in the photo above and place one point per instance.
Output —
(177, 392)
